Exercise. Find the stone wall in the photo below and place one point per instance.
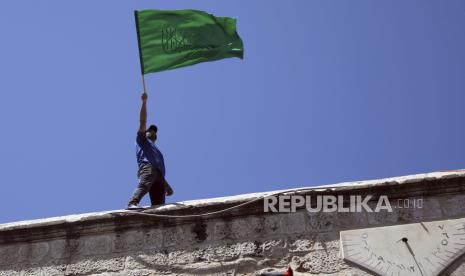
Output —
(240, 241)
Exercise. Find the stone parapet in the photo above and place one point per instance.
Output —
(177, 239)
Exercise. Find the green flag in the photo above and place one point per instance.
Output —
(173, 39)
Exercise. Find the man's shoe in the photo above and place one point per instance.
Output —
(134, 207)
(168, 189)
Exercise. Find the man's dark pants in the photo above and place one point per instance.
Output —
(150, 181)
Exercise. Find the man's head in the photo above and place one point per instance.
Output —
(151, 132)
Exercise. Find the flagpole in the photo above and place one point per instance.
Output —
(140, 52)
(143, 83)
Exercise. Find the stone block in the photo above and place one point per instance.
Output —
(153, 239)
(382, 218)
(34, 271)
(52, 270)
(33, 252)
(95, 265)
(349, 220)
(96, 245)
(242, 265)
(128, 241)
(320, 261)
(57, 249)
(222, 230)
(148, 261)
(328, 240)
(246, 228)
(452, 206)
(409, 213)
(293, 223)
(9, 254)
(320, 222)
(301, 244)
(279, 224)
(269, 247)
(9, 272)
(186, 235)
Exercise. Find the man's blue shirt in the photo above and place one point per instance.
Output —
(148, 153)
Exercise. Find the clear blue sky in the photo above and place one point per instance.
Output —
(329, 91)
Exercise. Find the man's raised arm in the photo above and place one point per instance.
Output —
(143, 113)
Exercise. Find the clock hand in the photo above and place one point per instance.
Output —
(424, 227)
(405, 240)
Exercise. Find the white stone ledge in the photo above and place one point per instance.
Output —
(218, 201)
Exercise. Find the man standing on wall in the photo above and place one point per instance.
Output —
(151, 171)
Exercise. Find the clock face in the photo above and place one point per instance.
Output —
(423, 249)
